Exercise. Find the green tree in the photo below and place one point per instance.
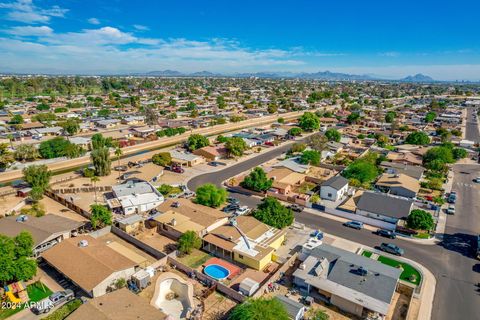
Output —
(6, 157)
(390, 116)
(94, 179)
(270, 211)
(197, 141)
(310, 157)
(459, 153)
(189, 241)
(99, 141)
(272, 108)
(333, 135)
(236, 146)
(101, 161)
(260, 309)
(36, 194)
(26, 152)
(309, 122)
(353, 117)
(420, 219)
(442, 153)
(430, 116)
(257, 180)
(71, 126)
(16, 119)
(298, 147)
(317, 142)
(361, 170)
(162, 159)
(295, 132)
(100, 217)
(211, 196)
(418, 138)
(37, 176)
(281, 120)
(16, 262)
(54, 148)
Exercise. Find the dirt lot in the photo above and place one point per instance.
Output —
(217, 306)
(156, 240)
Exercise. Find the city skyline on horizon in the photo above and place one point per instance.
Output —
(381, 39)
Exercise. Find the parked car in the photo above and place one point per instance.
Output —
(233, 200)
(120, 168)
(452, 197)
(451, 209)
(354, 224)
(242, 210)
(188, 194)
(176, 169)
(386, 233)
(216, 163)
(392, 249)
(476, 180)
(296, 208)
(55, 299)
(231, 208)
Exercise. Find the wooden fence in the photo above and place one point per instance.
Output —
(69, 204)
(137, 243)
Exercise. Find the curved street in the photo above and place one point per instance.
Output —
(451, 261)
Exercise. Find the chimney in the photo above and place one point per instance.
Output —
(173, 222)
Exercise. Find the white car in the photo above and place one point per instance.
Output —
(242, 210)
(451, 209)
(477, 180)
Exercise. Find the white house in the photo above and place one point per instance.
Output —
(135, 197)
(334, 188)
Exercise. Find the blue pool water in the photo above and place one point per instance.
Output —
(216, 271)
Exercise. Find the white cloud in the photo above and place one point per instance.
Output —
(30, 31)
(110, 50)
(93, 21)
(140, 27)
(391, 54)
(26, 11)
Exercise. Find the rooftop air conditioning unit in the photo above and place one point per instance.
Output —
(83, 243)
(302, 266)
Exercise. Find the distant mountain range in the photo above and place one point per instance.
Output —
(322, 75)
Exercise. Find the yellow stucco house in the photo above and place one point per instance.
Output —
(246, 240)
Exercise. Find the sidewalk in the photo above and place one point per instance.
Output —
(427, 290)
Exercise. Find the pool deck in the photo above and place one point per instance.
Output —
(233, 269)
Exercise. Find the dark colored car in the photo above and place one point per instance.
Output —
(231, 208)
(233, 201)
(296, 208)
(175, 169)
(386, 233)
(392, 249)
(354, 224)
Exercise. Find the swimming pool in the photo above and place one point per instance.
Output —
(216, 271)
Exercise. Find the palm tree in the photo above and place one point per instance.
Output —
(118, 153)
(94, 180)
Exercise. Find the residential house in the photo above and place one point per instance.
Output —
(133, 120)
(246, 240)
(186, 158)
(415, 172)
(405, 158)
(351, 282)
(131, 223)
(108, 123)
(398, 185)
(120, 304)
(47, 231)
(292, 164)
(85, 143)
(384, 207)
(135, 197)
(143, 132)
(212, 153)
(334, 188)
(49, 131)
(284, 180)
(90, 264)
(180, 215)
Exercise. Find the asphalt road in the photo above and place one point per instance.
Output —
(471, 132)
(452, 261)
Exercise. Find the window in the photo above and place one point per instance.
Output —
(329, 195)
(240, 256)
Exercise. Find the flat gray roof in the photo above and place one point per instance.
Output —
(383, 204)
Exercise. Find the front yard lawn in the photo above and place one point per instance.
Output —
(409, 274)
(422, 235)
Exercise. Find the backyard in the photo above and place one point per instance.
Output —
(36, 292)
(194, 259)
(409, 274)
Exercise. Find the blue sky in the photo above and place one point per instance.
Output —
(386, 38)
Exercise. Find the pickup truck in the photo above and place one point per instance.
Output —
(55, 299)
